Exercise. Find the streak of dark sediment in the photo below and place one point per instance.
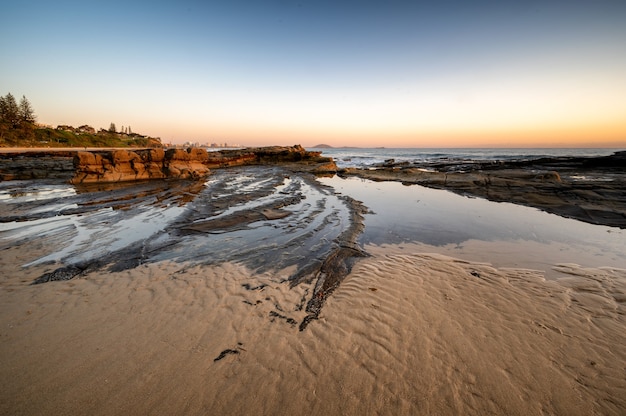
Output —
(240, 219)
(337, 264)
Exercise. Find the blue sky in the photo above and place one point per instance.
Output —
(371, 73)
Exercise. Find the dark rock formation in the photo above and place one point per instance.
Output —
(36, 165)
(282, 155)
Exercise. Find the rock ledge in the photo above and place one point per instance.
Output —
(193, 163)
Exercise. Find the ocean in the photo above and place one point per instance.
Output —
(366, 157)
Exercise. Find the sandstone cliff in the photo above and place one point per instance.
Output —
(193, 163)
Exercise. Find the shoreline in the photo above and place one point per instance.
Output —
(589, 189)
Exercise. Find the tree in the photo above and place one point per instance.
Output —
(9, 111)
(25, 111)
(112, 128)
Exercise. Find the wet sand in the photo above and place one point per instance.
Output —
(190, 299)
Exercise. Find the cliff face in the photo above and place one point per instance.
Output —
(128, 165)
(119, 165)
(194, 163)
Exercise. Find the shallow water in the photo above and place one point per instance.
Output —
(504, 234)
(216, 221)
(219, 220)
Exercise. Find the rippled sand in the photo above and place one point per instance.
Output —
(404, 334)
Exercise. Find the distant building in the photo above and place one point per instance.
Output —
(86, 129)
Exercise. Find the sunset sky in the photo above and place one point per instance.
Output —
(344, 73)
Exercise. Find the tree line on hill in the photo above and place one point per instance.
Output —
(18, 129)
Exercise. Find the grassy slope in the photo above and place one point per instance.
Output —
(33, 136)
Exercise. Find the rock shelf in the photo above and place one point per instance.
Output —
(125, 165)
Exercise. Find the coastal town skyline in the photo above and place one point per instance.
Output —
(366, 74)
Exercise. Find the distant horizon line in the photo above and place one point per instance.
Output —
(458, 147)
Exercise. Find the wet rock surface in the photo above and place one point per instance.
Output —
(36, 165)
(266, 217)
(591, 189)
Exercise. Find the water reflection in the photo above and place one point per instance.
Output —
(150, 221)
(263, 217)
(24, 191)
(503, 234)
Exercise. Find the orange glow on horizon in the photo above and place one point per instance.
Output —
(611, 135)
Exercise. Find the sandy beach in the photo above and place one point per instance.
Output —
(404, 334)
(184, 301)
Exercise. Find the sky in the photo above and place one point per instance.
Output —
(343, 73)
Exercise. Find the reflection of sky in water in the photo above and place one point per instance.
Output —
(135, 223)
(19, 195)
(41, 227)
(438, 221)
(94, 234)
(315, 221)
(258, 202)
(440, 218)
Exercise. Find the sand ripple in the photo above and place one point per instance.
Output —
(404, 334)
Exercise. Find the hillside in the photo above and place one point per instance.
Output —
(31, 135)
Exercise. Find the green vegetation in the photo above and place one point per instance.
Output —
(18, 129)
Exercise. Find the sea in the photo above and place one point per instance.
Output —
(367, 157)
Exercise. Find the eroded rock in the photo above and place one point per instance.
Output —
(193, 163)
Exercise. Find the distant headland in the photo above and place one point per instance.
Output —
(327, 146)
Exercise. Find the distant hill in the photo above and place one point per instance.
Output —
(322, 146)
